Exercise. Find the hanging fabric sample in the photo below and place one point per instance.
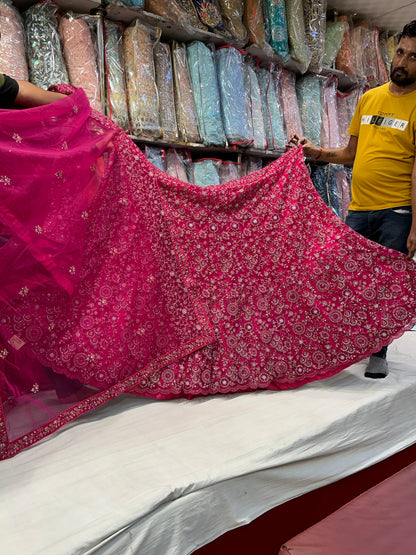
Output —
(344, 60)
(184, 96)
(276, 25)
(116, 107)
(46, 61)
(164, 83)
(206, 93)
(123, 279)
(272, 109)
(326, 181)
(315, 21)
(206, 172)
(346, 104)
(234, 102)
(232, 12)
(142, 96)
(308, 91)
(12, 42)
(357, 49)
(255, 115)
(80, 57)
(287, 84)
(334, 35)
(330, 134)
(298, 43)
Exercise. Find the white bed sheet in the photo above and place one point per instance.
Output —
(166, 477)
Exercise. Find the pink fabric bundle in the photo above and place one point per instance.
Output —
(290, 103)
(80, 57)
(117, 276)
(12, 43)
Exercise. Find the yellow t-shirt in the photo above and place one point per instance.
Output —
(385, 125)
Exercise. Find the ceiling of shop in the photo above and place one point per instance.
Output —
(386, 14)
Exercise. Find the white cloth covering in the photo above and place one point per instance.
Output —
(148, 477)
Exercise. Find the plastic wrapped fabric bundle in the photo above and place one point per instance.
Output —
(344, 60)
(206, 94)
(142, 94)
(254, 23)
(184, 97)
(308, 90)
(116, 106)
(179, 11)
(370, 63)
(80, 57)
(228, 171)
(210, 14)
(382, 75)
(324, 178)
(291, 111)
(164, 82)
(179, 165)
(391, 46)
(234, 102)
(347, 102)
(251, 164)
(206, 172)
(255, 110)
(276, 25)
(135, 3)
(346, 190)
(156, 156)
(330, 126)
(384, 53)
(357, 49)
(12, 42)
(44, 53)
(314, 12)
(232, 12)
(272, 109)
(334, 35)
(298, 44)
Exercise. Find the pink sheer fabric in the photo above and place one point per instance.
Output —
(116, 277)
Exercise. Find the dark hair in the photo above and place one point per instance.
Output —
(409, 30)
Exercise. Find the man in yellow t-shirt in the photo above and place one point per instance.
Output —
(382, 146)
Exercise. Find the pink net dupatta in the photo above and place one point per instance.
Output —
(116, 277)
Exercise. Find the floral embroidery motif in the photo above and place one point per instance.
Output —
(24, 291)
(17, 138)
(72, 270)
(4, 353)
(84, 215)
(38, 229)
(59, 175)
(64, 145)
(4, 180)
(35, 388)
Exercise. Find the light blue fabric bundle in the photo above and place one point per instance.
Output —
(272, 110)
(256, 115)
(206, 94)
(234, 103)
(206, 172)
(308, 91)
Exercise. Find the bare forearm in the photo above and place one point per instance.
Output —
(30, 95)
(342, 155)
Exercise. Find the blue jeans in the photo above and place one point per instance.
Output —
(389, 227)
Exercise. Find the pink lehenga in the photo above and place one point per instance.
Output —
(116, 277)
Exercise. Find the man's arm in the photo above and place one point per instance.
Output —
(411, 240)
(30, 95)
(343, 155)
